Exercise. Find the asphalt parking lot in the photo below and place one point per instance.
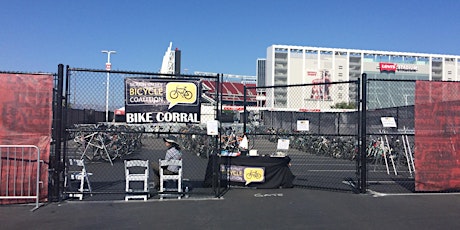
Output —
(311, 171)
(247, 209)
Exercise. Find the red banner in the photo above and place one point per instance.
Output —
(26, 106)
(390, 67)
(437, 136)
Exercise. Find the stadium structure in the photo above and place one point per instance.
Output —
(232, 89)
(291, 65)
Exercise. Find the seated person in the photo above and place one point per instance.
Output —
(173, 153)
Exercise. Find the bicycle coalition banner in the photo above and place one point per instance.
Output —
(437, 138)
(162, 100)
(26, 106)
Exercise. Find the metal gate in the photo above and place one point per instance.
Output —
(390, 133)
(334, 143)
(96, 133)
(321, 123)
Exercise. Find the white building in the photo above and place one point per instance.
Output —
(293, 65)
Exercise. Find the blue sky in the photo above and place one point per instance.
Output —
(214, 36)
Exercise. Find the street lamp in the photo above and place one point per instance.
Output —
(108, 66)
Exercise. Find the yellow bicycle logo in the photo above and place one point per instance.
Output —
(181, 92)
(253, 175)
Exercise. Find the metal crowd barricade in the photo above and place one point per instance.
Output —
(20, 173)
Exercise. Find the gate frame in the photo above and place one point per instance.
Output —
(362, 134)
(361, 166)
(57, 172)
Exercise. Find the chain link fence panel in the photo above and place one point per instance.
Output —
(390, 135)
(321, 123)
(104, 140)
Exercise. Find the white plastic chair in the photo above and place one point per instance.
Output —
(174, 177)
(78, 173)
(137, 171)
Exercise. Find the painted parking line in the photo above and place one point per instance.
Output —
(263, 195)
(332, 170)
(296, 164)
(379, 194)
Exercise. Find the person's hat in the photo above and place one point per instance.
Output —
(170, 139)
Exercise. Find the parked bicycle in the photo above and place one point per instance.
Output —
(107, 143)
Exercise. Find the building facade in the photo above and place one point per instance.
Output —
(260, 72)
(293, 65)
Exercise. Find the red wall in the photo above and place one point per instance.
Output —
(26, 119)
(437, 136)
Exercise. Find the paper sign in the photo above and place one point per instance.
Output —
(303, 125)
(388, 122)
(283, 144)
(212, 128)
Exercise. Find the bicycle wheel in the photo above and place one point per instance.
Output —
(257, 175)
(173, 94)
(248, 175)
(188, 95)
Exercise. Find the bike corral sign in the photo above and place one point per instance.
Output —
(162, 100)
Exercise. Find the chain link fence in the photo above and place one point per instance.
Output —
(412, 132)
(390, 135)
(99, 134)
(321, 123)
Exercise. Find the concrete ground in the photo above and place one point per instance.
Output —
(247, 209)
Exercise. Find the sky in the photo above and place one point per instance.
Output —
(214, 36)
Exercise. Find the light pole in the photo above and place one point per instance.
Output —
(108, 66)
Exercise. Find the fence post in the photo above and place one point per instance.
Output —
(319, 122)
(362, 142)
(55, 166)
(245, 112)
(64, 126)
(338, 123)
(216, 178)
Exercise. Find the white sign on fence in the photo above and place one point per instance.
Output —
(388, 122)
(303, 125)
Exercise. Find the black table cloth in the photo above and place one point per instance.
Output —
(276, 171)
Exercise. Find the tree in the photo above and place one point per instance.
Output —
(344, 105)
